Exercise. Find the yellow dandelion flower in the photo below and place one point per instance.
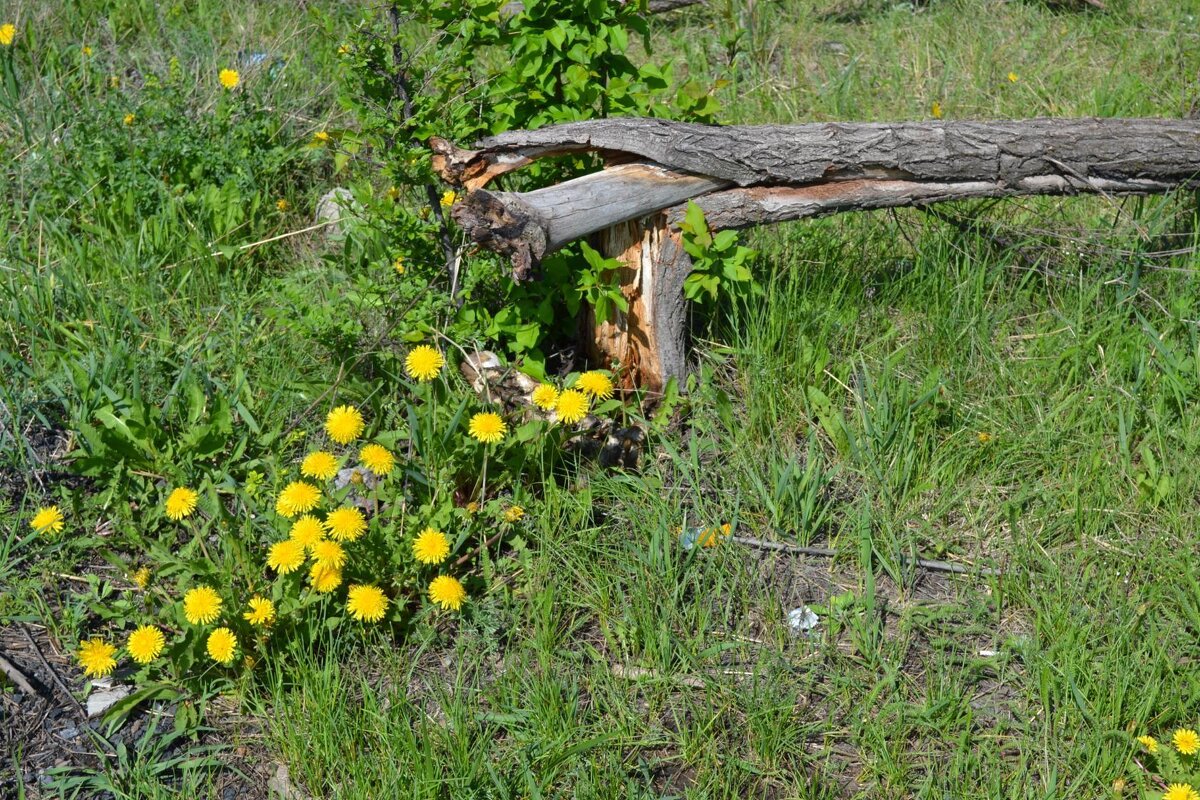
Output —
(323, 579)
(8, 32)
(48, 520)
(343, 49)
(1150, 743)
(201, 605)
(222, 646)
(1012, 77)
(344, 424)
(487, 427)
(319, 465)
(1180, 791)
(181, 503)
(936, 110)
(321, 136)
(572, 406)
(366, 603)
(262, 611)
(297, 497)
(1186, 741)
(306, 531)
(96, 657)
(984, 437)
(423, 363)
(229, 78)
(431, 547)
(712, 537)
(145, 644)
(87, 51)
(377, 458)
(398, 265)
(329, 554)
(141, 578)
(129, 118)
(286, 556)
(544, 397)
(282, 205)
(595, 383)
(448, 198)
(514, 514)
(346, 524)
(472, 508)
(447, 592)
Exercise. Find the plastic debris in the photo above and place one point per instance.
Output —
(704, 537)
(104, 696)
(802, 620)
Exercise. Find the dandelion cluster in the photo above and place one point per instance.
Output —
(330, 543)
(1175, 764)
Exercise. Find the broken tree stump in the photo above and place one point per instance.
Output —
(744, 175)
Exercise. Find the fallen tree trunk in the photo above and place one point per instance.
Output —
(514, 7)
(762, 174)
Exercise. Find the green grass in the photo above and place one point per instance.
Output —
(599, 659)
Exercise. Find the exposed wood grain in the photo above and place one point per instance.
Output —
(649, 340)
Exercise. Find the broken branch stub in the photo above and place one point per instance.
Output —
(526, 226)
(761, 174)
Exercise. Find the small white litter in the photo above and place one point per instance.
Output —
(802, 620)
(104, 695)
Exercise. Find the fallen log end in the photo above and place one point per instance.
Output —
(472, 169)
(500, 222)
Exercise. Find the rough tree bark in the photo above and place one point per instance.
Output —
(514, 7)
(761, 174)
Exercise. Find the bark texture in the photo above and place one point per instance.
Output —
(515, 7)
(751, 155)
